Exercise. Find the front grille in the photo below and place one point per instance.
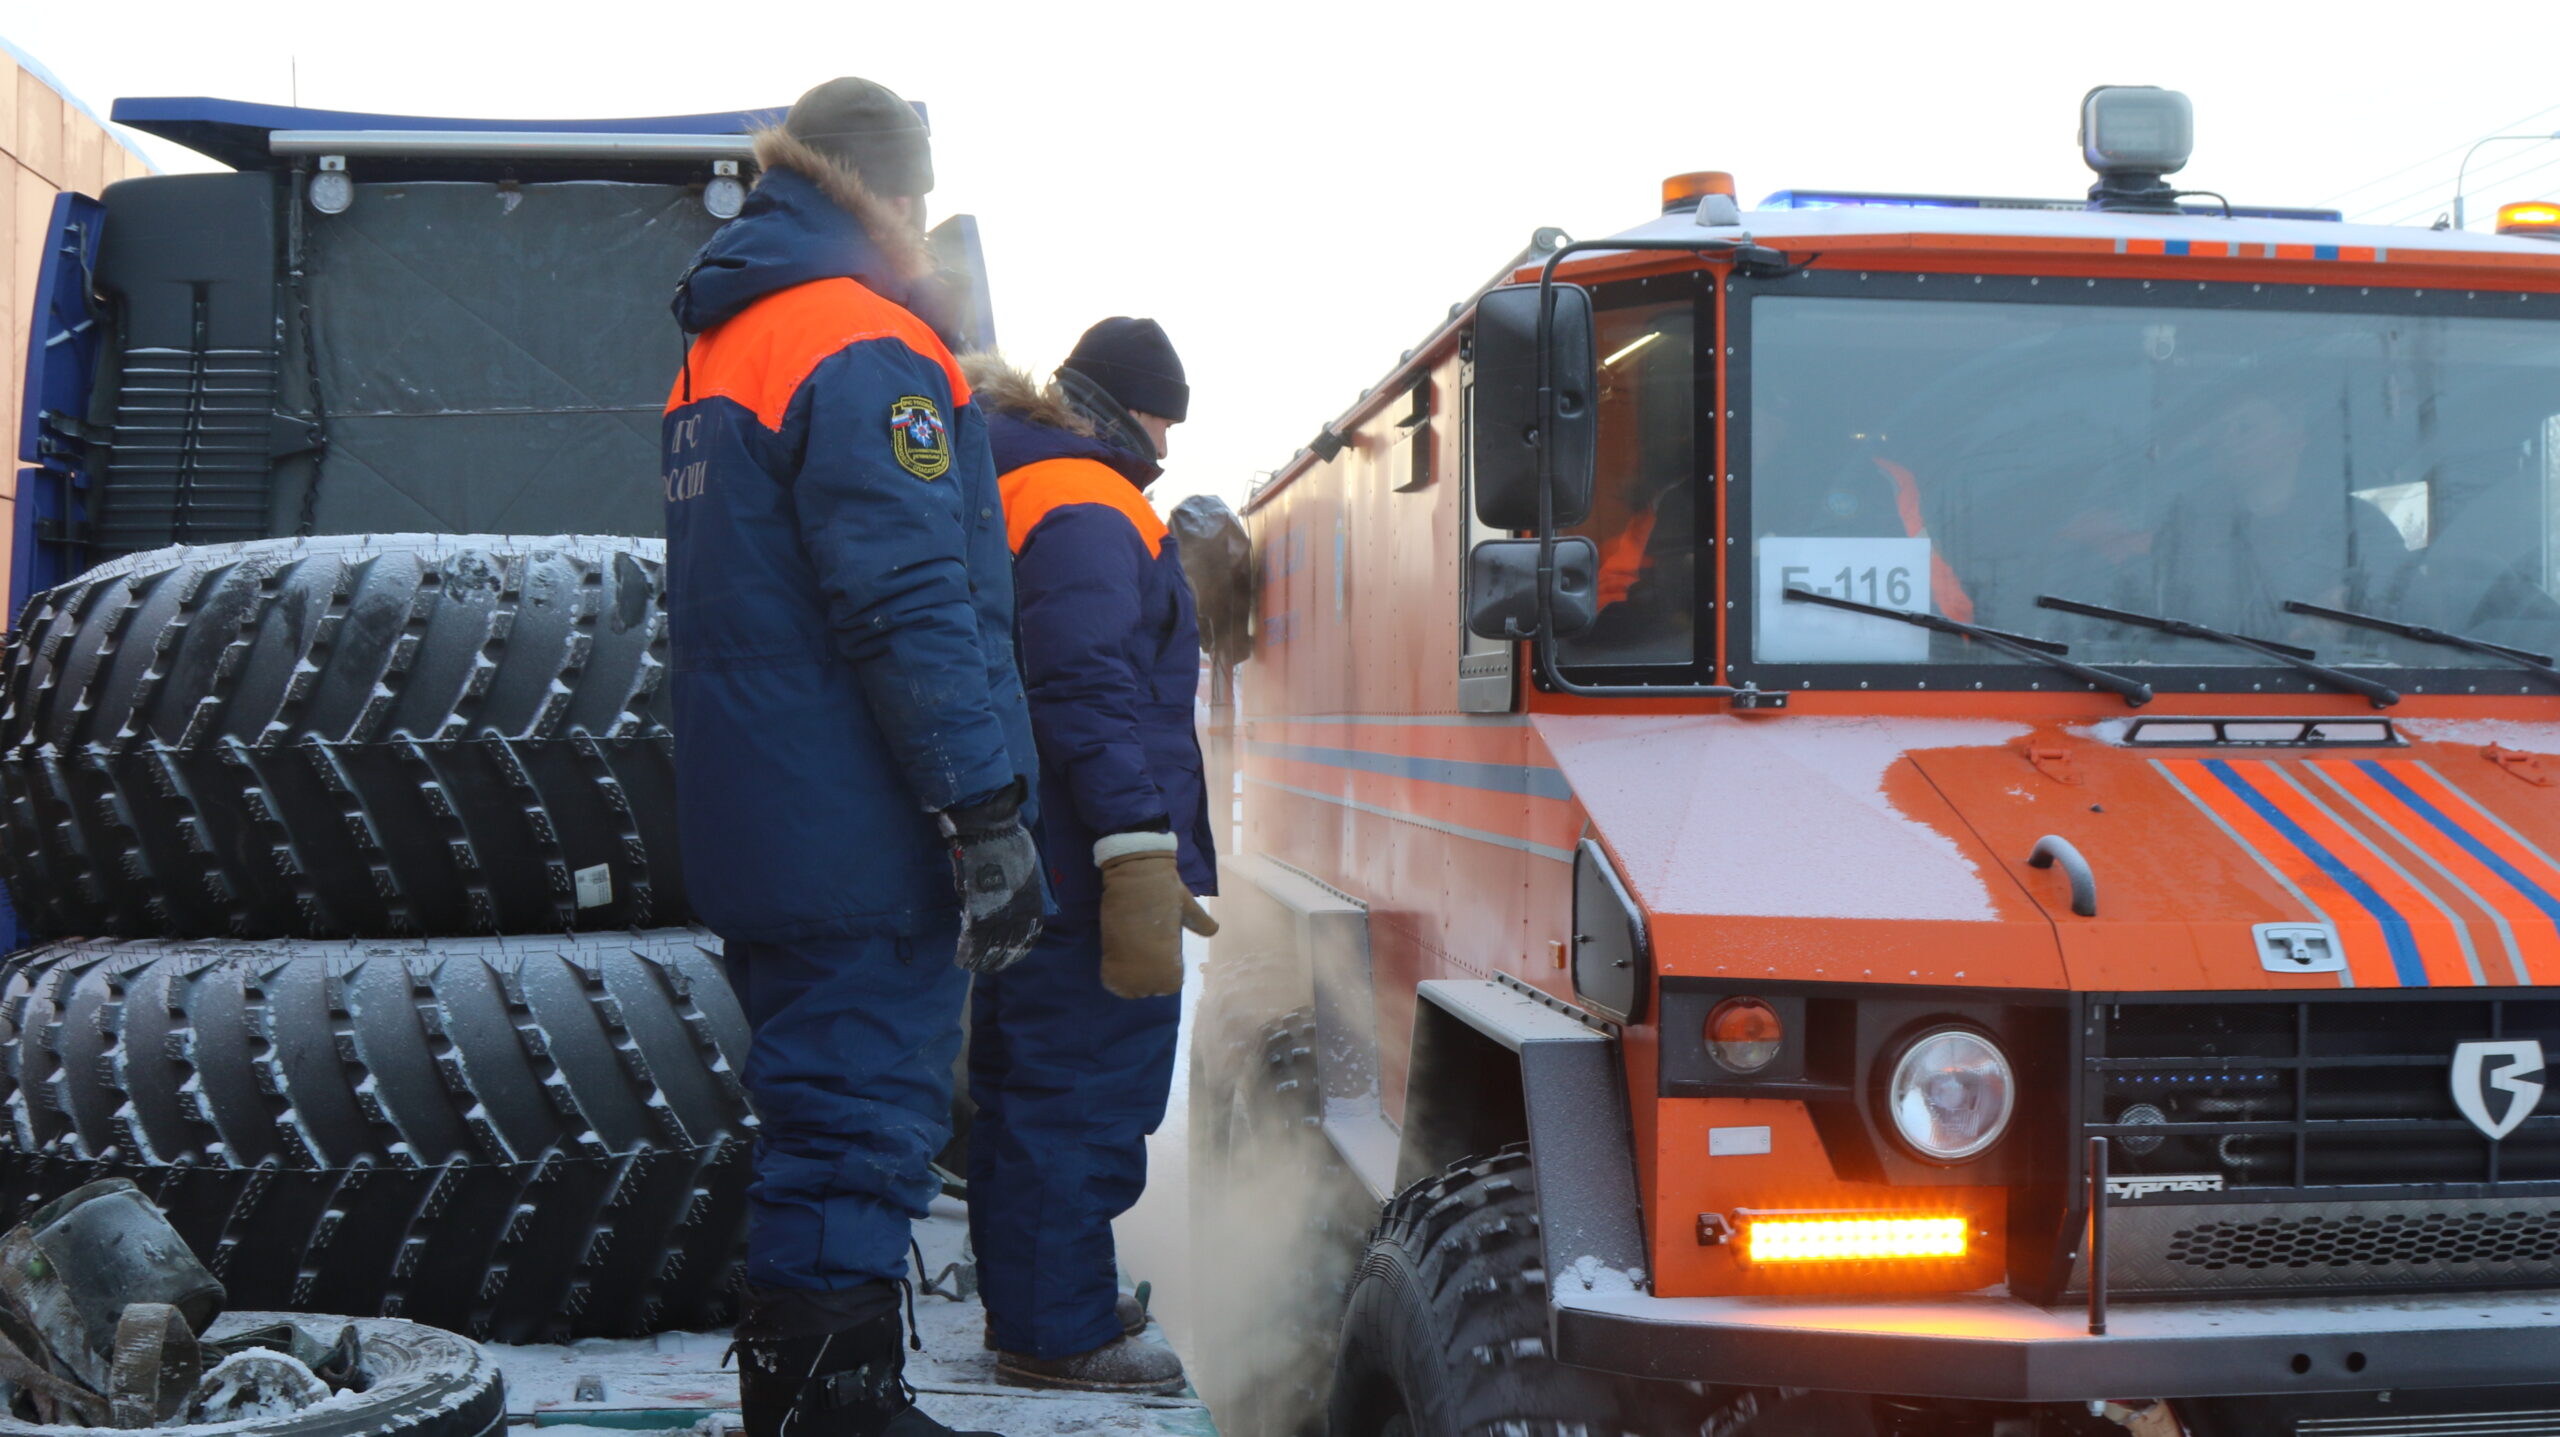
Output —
(2330, 1091)
(2470, 1424)
(2312, 1143)
(2381, 1243)
(2173, 1249)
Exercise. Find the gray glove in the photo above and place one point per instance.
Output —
(996, 867)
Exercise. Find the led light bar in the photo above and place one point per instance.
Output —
(1784, 1237)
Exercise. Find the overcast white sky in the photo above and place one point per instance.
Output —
(1299, 190)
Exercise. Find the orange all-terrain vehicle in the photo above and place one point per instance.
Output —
(1908, 816)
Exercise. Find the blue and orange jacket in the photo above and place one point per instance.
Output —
(838, 587)
(1110, 653)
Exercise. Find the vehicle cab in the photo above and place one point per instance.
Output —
(2018, 740)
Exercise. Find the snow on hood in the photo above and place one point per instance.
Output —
(1782, 817)
(2505, 733)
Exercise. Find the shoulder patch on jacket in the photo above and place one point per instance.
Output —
(917, 439)
(1035, 491)
(761, 357)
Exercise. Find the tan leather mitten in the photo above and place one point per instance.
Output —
(1145, 907)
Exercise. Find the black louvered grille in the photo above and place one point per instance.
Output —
(2313, 1144)
(2342, 1090)
(190, 460)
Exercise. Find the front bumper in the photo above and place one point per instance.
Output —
(1996, 1348)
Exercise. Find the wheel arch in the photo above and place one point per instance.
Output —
(1492, 1065)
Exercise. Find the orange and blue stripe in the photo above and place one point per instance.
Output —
(2346, 860)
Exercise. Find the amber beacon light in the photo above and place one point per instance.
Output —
(2535, 219)
(1681, 193)
(1806, 1237)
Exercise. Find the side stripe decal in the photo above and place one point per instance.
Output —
(1499, 840)
(2396, 933)
(1533, 781)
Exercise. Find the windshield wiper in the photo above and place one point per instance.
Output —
(2521, 658)
(2382, 696)
(2134, 692)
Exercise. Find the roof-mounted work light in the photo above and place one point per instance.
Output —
(2133, 135)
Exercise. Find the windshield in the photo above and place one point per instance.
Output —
(2205, 463)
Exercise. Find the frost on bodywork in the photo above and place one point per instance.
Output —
(2504, 733)
(1783, 817)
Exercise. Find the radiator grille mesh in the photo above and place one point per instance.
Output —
(2383, 1242)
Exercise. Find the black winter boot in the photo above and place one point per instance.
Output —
(828, 1364)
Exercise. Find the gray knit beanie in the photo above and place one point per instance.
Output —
(864, 126)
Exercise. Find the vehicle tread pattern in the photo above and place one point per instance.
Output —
(524, 1138)
(1450, 1307)
(343, 736)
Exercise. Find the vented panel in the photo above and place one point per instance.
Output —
(2379, 1243)
(189, 461)
(2171, 1249)
(190, 265)
(2334, 1090)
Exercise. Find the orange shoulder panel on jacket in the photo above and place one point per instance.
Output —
(1034, 491)
(760, 356)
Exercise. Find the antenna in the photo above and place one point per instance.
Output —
(293, 65)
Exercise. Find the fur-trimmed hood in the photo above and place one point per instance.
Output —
(1002, 389)
(899, 241)
(1028, 421)
(808, 219)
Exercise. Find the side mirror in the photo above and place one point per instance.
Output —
(1504, 436)
(956, 302)
(1502, 588)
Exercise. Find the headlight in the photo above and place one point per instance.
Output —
(1951, 1094)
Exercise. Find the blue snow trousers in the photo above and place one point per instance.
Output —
(849, 1073)
(1069, 1080)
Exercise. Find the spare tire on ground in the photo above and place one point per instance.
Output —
(530, 1138)
(357, 735)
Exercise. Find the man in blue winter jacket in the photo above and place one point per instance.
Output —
(853, 751)
(1071, 1051)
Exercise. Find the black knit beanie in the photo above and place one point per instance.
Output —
(1134, 361)
(864, 126)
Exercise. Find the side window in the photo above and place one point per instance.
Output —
(1646, 500)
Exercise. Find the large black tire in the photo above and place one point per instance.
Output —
(519, 1138)
(1276, 1219)
(1445, 1334)
(363, 735)
(421, 1383)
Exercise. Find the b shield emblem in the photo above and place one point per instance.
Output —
(917, 438)
(2496, 1085)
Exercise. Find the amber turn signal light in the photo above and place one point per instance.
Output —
(1850, 1237)
(1744, 1035)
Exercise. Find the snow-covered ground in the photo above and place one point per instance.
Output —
(676, 1381)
